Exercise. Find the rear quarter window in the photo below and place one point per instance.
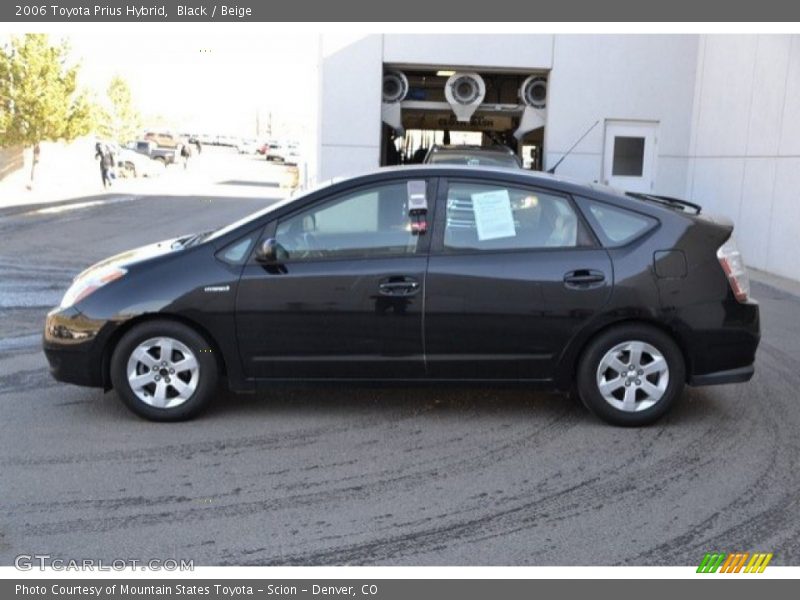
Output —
(615, 226)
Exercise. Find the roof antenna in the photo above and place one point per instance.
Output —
(552, 169)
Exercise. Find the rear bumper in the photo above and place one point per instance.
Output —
(739, 375)
(720, 343)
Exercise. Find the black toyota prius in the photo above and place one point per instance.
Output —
(428, 273)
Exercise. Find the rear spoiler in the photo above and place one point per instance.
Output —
(684, 205)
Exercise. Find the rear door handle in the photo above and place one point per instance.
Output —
(584, 278)
(399, 286)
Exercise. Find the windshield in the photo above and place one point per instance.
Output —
(264, 211)
(474, 159)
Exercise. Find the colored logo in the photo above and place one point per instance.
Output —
(743, 562)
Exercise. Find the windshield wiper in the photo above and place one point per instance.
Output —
(191, 240)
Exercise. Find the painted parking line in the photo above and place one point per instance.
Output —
(51, 210)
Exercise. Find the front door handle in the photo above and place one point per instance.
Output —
(584, 278)
(399, 286)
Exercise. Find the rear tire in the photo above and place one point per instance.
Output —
(631, 375)
(164, 371)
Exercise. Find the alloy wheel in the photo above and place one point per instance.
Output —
(632, 376)
(163, 372)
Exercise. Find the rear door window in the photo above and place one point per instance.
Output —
(615, 226)
(486, 216)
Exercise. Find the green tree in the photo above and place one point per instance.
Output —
(122, 121)
(39, 99)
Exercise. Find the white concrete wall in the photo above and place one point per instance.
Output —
(488, 51)
(631, 77)
(745, 144)
(350, 105)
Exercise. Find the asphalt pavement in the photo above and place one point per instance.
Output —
(455, 475)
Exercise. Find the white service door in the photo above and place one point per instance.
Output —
(629, 156)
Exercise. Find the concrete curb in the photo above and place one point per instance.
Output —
(784, 284)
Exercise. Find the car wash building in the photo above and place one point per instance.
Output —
(714, 119)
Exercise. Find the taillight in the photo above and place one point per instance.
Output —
(732, 264)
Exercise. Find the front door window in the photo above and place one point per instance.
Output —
(371, 222)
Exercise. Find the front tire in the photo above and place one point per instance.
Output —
(164, 371)
(631, 375)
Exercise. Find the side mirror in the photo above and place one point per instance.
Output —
(269, 251)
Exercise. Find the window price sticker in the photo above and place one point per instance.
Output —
(494, 218)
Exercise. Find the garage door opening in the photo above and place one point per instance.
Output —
(423, 108)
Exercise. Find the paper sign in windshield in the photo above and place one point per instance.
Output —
(493, 216)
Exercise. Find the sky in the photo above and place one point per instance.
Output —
(201, 83)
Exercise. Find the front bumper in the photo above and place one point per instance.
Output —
(73, 345)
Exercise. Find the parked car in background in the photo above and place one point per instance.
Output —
(284, 153)
(134, 164)
(273, 151)
(225, 140)
(247, 146)
(552, 284)
(264, 146)
(291, 155)
(474, 156)
(167, 155)
(165, 139)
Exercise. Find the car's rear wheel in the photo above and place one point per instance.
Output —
(164, 371)
(631, 375)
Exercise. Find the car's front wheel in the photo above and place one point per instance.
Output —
(631, 375)
(164, 371)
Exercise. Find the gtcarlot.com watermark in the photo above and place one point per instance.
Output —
(30, 562)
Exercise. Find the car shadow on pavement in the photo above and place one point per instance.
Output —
(443, 400)
(342, 400)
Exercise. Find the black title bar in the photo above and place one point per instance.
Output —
(406, 10)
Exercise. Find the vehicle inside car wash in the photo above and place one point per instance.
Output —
(426, 106)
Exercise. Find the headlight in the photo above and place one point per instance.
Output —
(88, 282)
